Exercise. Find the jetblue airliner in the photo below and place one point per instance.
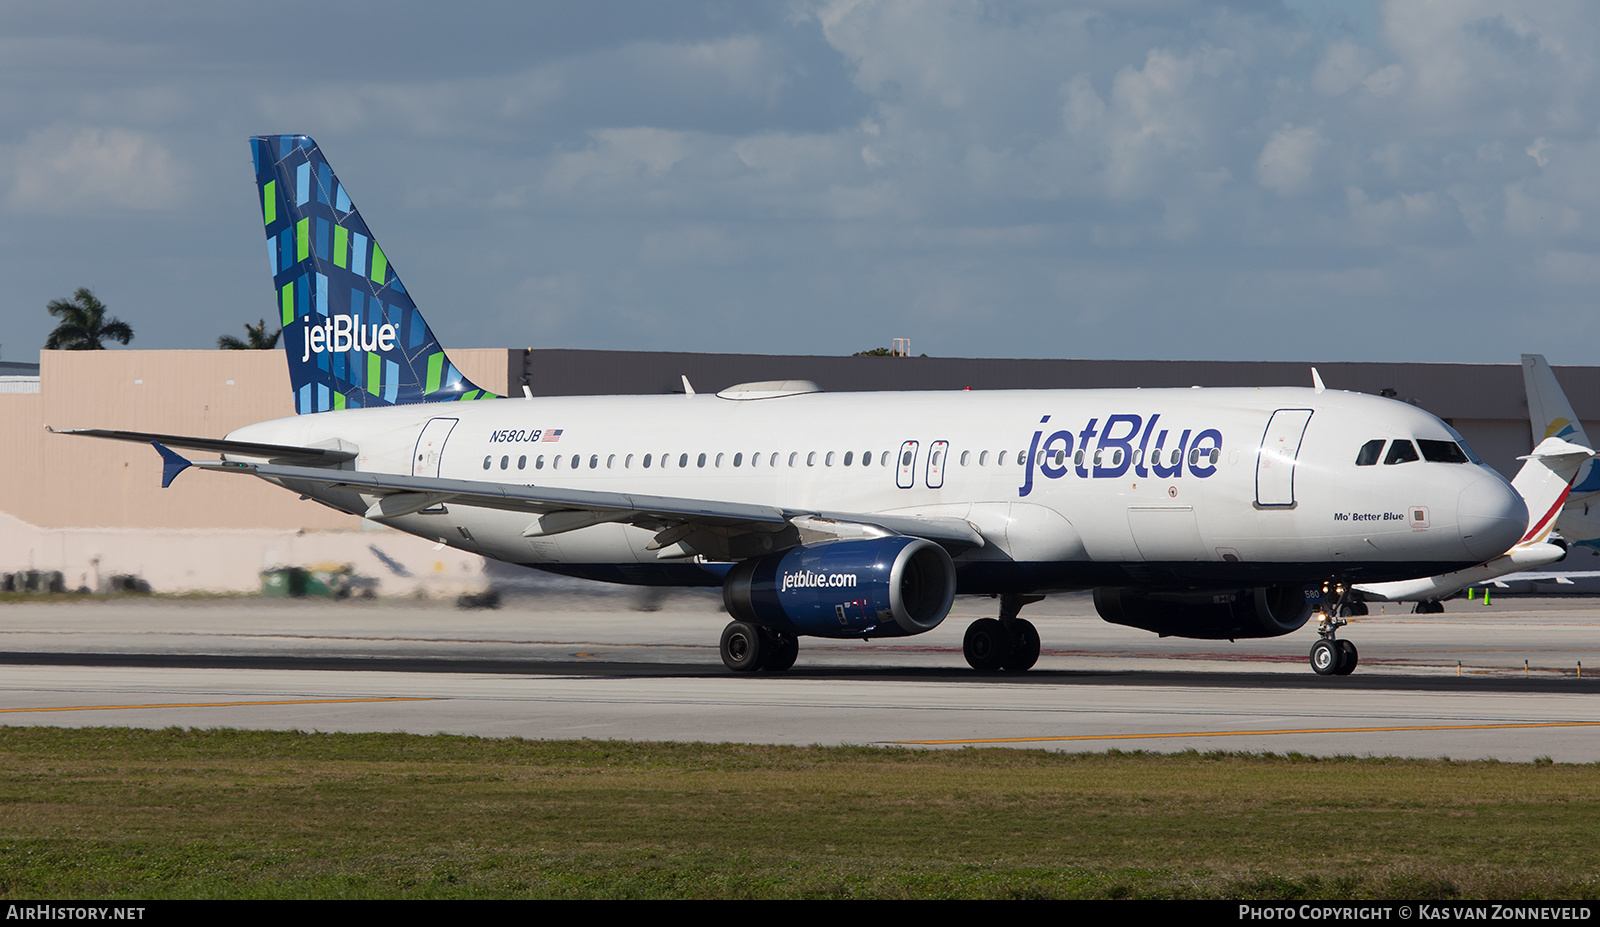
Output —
(1199, 513)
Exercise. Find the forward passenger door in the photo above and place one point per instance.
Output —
(1275, 461)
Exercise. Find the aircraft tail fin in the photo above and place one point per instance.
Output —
(1549, 412)
(1544, 482)
(353, 336)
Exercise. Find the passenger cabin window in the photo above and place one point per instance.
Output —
(1369, 453)
(1401, 452)
(1441, 451)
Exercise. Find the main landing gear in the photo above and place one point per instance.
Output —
(747, 647)
(1004, 643)
(1329, 655)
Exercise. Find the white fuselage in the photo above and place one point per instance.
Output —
(1069, 489)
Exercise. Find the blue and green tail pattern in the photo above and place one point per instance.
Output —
(353, 337)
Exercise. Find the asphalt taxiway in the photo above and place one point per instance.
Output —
(1514, 680)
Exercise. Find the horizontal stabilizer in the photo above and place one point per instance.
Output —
(172, 463)
(1559, 447)
(276, 453)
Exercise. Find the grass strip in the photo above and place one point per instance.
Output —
(137, 814)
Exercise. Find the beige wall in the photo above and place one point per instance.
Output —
(56, 481)
(86, 506)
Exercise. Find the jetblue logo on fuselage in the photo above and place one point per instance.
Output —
(340, 333)
(1125, 443)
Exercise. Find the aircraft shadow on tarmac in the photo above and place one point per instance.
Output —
(1472, 682)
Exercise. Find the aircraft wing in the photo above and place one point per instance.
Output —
(1528, 576)
(1432, 588)
(698, 523)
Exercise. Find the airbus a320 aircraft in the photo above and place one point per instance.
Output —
(1200, 513)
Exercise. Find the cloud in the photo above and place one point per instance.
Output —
(65, 171)
(640, 175)
(1289, 158)
(1570, 268)
(1344, 65)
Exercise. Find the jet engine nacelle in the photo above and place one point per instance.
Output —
(1229, 614)
(878, 587)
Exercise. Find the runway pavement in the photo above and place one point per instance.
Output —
(1499, 681)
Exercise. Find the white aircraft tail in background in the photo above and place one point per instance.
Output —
(1552, 416)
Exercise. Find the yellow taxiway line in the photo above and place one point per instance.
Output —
(296, 701)
(1307, 730)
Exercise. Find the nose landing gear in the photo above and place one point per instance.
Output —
(1329, 655)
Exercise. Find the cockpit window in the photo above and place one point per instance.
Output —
(1462, 443)
(1369, 453)
(1441, 451)
(1401, 452)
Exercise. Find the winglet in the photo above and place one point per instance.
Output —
(1316, 380)
(172, 463)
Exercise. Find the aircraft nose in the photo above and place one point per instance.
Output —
(1492, 517)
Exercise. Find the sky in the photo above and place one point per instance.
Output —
(1158, 179)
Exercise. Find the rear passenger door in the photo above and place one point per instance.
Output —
(430, 446)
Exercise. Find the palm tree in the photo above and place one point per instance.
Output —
(84, 324)
(256, 339)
